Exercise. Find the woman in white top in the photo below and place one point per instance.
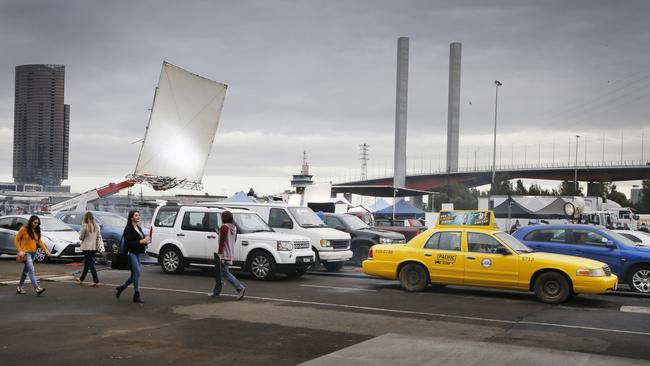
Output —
(91, 243)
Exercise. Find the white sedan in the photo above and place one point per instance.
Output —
(638, 237)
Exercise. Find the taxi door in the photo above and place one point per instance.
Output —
(486, 265)
(444, 258)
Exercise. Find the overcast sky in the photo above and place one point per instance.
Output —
(320, 76)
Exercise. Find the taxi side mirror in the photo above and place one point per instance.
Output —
(503, 251)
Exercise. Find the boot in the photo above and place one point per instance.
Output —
(136, 298)
(119, 290)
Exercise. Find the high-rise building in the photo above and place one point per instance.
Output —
(41, 125)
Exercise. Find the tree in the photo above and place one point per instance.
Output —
(644, 205)
(568, 189)
(520, 190)
(462, 197)
(618, 197)
(502, 187)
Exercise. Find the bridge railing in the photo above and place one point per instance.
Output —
(504, 167)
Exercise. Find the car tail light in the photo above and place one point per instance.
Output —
(370, 253)
(150, 232)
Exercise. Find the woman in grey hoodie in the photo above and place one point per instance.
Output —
(225, 255)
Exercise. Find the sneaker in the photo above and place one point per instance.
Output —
(39, 291)
(241, 293)
(95, 284)
(79, 282)
(20, 290)
(213, 295)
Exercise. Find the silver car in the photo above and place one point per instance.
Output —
(59, 238)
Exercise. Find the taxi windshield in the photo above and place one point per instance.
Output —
(513, 243)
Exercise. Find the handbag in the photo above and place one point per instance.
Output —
(21, 258)
(121, 259)
(100, 243)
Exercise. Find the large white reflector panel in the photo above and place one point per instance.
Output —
(182, 126)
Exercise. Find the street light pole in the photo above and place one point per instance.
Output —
(575, 179)
(497, 84)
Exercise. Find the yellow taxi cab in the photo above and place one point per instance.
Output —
(467, 248)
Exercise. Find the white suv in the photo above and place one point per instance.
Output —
(188, 235)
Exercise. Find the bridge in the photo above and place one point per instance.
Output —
(600, 171)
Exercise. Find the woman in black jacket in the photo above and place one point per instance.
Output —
(135, 242)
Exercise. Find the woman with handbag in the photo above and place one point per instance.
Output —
(91, 243)
(135, 242)
(28, 237)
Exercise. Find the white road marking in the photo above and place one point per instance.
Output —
(396, 311)
(635, 309)
(341, 288)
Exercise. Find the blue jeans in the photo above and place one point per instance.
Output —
(89, 263)
(136, 269)
(29, 269)
(222, 271)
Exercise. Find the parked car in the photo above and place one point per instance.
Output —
(471, 254)
(410, 228)
(59, 238)
(631, 263)
(363, 236)
(638, 237)
(331, 247)
(111, 224)
(188, 235)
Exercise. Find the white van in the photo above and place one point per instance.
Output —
(332, 247)
(188, 235)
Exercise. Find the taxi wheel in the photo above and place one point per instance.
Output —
(413, 277)
(639, 279)
(552, 288)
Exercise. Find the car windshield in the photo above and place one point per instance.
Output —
(354, 222)
(620, 238)
(111, 220)
(54, 224)
(250, 223)
(306, 217)
(513, 243)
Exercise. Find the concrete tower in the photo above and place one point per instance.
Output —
(41, 125)
(399, 179)
(453, 108)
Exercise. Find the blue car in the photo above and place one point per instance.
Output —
(112, 226)
(630, 262)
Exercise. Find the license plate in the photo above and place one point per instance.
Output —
(304, 260)
(77, 250)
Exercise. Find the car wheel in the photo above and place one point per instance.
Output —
(40, 256)
(171, 260)
(413, 277)
(262, 266)
(552, 288)
(639, 279)
(333, 266)
(360, 254)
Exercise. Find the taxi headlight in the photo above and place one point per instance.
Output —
(285, 245)
(597, 272)
(325, 243)
(385, 240)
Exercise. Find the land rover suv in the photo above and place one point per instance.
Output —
(189, 235)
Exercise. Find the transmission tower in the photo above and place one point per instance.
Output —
(364, 157)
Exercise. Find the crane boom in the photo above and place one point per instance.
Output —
(79, 202)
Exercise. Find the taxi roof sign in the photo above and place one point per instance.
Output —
(478, 219)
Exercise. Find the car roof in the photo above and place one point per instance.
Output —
(558, 226)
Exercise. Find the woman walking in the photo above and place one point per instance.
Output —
(135, 242)
(91, 243)
(27, 239)
(224, 256)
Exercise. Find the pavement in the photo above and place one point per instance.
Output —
(395, 349)
(319, 319)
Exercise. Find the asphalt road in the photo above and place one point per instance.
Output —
(288, 321)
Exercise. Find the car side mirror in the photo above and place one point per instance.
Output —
(610, 244)
(503, 251)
